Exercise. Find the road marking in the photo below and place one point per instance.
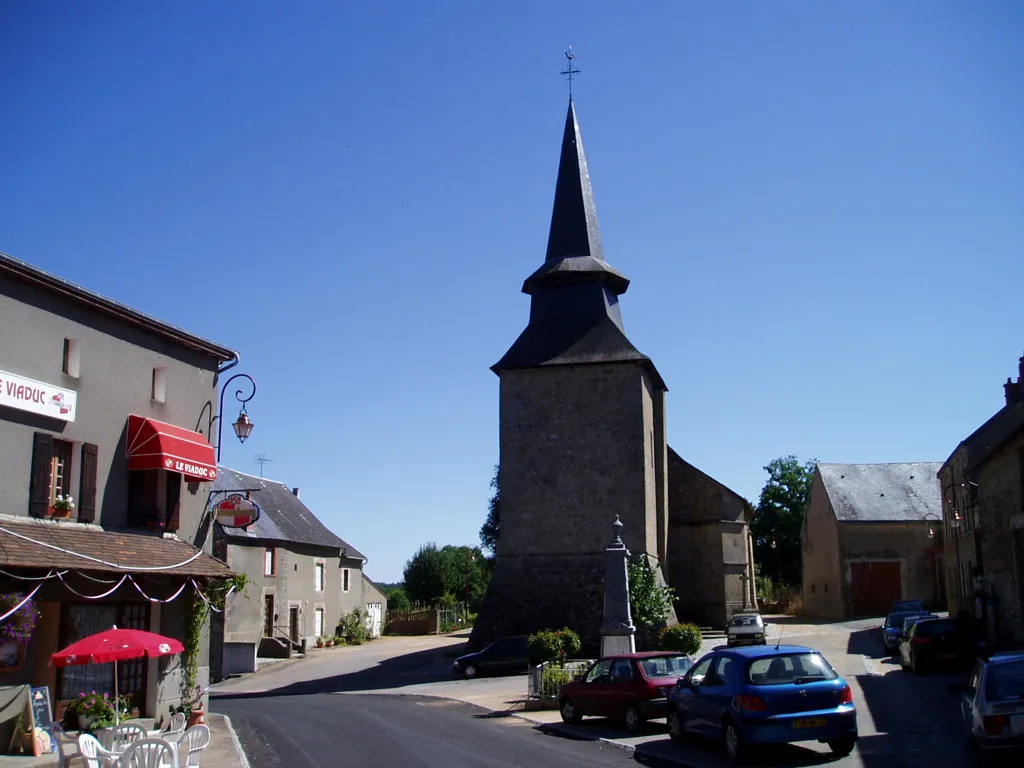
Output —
(869, 666)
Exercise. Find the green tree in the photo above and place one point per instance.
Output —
(779, 518)
(491, 528)
(398, 599)
(424, 575)
(649, 601)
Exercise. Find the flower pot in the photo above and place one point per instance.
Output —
(60, 513)
(198, 717)
(85, 722)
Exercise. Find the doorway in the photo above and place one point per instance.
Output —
(268, 615)
(875, 587)
(293, 623)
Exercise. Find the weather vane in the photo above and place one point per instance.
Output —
(570, 70)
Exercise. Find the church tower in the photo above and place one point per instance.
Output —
(582, 431)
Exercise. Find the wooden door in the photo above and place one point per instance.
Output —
(268, 615)
(293, 623)
(875, 587)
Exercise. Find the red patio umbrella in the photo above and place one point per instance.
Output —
(116, 645)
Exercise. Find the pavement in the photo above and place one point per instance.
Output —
(904, 721)
(225, 750)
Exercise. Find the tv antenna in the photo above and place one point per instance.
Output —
(261, 459)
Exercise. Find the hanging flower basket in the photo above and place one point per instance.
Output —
(19, 626)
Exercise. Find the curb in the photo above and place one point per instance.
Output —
(239, 752)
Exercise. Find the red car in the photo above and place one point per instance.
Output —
(631, 687)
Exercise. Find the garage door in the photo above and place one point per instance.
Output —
(875, 586)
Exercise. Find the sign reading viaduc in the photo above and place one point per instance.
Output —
(36, 397)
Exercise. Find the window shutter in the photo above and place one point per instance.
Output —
(173, 500)
(39, 486)
(87, 486)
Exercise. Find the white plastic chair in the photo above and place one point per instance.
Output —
(193, 742)
(95, 754)
(61, 737)
(149, 753)
(175, 727)
(123, 735)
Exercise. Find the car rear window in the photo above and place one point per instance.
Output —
(666, 666)
(1005, 681)
(743, 621)
(937, 627)
(790, 668)
(897, 619)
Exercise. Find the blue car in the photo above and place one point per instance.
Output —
(764, 695)
(893, 626)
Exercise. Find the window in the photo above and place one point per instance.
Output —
(159, 392)
(665, 666)
(698, 673)
(318, 622)
(344, 580)
(71, 364)
(268, 561)
(599, 670)
(318, 573)
(789, 668)
(154, 499)
(622, 671)
(60, 470)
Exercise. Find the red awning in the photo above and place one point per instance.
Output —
(153, 444)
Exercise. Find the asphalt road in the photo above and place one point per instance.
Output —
(324, 730)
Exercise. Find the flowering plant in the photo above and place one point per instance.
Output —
(22, 623)
(98, 708)
(64, 503)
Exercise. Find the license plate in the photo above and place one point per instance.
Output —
(810, 722)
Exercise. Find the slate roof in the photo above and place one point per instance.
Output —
(22, 271)
(48, 538)
(575, 317)
(1006, 424)
(883, 493)
(284, 517)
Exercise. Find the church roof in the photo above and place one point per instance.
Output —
(883, 493)
(575, 316)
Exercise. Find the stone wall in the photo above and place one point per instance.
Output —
(906, 543)
(708, 554)
(1001, 508)
(530, 593)
(822, 566)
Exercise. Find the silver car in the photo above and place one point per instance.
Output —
(992, 703)
(745, 629)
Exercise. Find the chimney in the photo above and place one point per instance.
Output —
(1012, 391)
(296, 492)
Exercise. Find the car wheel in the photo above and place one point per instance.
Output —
(842, 747)
(569, 712)
(469, 671)
(676, 726)
(734, 746)
(633, 719)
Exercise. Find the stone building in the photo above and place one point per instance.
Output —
(583, 439)
(99, 401)
(302, 577)
(872, 535)
(983, 513)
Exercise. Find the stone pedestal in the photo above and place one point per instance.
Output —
(617, 629)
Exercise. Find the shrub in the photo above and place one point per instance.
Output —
(552, 679)
(353, 628)
(554, 644)
(682, 638)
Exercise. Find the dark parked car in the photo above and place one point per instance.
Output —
(892, 627)
(908, 606)
(630, 687)
(935, 642)
(508, 655)
(764, 695)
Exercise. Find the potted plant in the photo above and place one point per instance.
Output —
(96, 710)
(329, 642)
(62, 506)
(17, 630)
(319, 642)
(192, 707)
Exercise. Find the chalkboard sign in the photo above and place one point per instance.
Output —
(42, 708)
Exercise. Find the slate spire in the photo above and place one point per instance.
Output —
(574, 229)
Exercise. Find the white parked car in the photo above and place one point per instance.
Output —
(745, 629)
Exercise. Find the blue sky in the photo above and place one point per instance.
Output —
(819, 205)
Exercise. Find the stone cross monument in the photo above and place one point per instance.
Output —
(617, 629)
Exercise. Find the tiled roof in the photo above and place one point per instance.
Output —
(284, 517)
(49, 544)
(883, 493)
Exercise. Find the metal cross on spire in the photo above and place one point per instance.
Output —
(570, 70)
